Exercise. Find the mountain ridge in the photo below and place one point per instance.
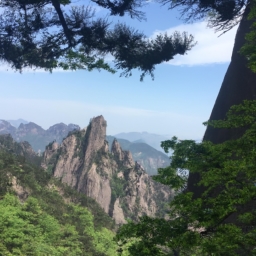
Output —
(39, 138)
(120, 185)
(154, 140)
(16, 123)
(35, 134)
(147, 156)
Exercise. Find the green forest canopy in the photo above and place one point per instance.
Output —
(49, 218)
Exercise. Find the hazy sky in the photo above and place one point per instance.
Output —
(176, 103)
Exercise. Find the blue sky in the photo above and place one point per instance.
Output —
(176, 103)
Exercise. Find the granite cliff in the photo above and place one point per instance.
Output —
(111, 177)
(147, 156)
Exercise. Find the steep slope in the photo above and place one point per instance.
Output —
(121, 186)
(148, 157)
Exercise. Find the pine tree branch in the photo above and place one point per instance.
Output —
(67, 31)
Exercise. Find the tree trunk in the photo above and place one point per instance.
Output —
(239, 84)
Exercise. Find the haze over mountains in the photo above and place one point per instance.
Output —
(147, 156)
(16, 123)
(35, 134)
(143, 146)
(154, 140)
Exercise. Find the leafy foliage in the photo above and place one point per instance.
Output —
(26, 229)
(223, 15)
(53, 219)
(249, 50)
(220, 222)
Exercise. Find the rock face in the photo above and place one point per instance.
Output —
(112, 178)
(147, 156)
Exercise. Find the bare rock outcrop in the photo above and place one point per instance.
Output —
(120, 185)
(95, 138)
(117, 151)
(98, 188)
(122, 156)
(118, 213)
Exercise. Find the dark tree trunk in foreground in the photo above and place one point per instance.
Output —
(239, 84)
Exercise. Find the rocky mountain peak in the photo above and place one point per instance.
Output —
(128, 160)
(95, 137)
(116, 150)
(121, 155)
(72, 127)
(30, 128)
(121, 186)
(16, 123)
(6, 127)
(61, 130)
(57, 127)
(98, 126)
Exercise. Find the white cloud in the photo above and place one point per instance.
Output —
(209, 49)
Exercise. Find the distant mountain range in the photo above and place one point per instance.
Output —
(35, 134)
(16, 123)
(85, 162)
(147, 156)
(143, 146)
(154, 140)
